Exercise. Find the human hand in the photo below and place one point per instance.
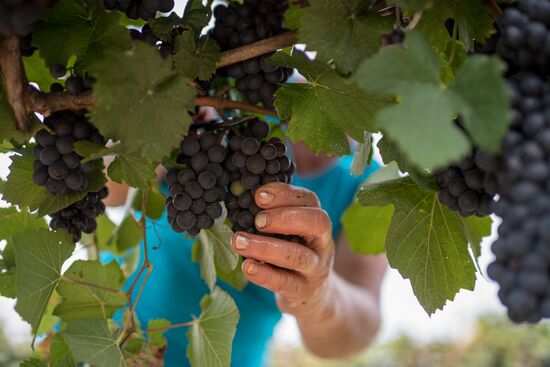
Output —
(298, 274)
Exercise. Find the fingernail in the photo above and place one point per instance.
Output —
(252, 269)
(266, 197)
(261, 220)
(241, 242)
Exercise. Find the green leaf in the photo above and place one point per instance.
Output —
(7, 284)
(90, 341)
(235, 277)
(390, 152)
(81, 301)
(211, 336)
(472, 17)
(8, 129)
(196, 58)
(343, 30)
(82, 29)
(128, 234)
(213, 251)
(103, 233)
(8, 256)
(196, 15)
(480, 84)
(362, 155)
(37, 71)
(60, 355)
(366, 227)
(133, 170)
(427, 108)
(162, 27)
(20, 189)
(425, 241)
(16, 221)
(152, 115)
(157, 337)
(33, 362)
(293, 16)
(323, 111)
(155, 203)
(475, 229)
(39, 256)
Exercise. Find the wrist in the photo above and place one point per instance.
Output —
(325, 307)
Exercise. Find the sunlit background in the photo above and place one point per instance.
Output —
(409, 337)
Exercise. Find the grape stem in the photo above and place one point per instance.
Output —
(257, 49)
(25, 100)
(493, 7)
(221, 104)
(130, 325)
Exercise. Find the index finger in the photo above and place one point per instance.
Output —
(276, 194)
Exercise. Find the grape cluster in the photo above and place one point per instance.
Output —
(25, 45)
(146, 34)
(196, 191)
(470, 185)
(81, 216)
(522, 251)
(242, 24)
(74, 84)
(57, 166)
(19, 16)
(252, 163)
(144, 9)
(525, 35)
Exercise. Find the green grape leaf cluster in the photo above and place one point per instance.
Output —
(413, 73)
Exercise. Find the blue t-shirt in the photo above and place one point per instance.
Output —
(175, 287)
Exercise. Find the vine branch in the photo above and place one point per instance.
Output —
(221, 104)
(26, 100)
(257, 49)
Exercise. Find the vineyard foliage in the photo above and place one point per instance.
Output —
(143, 103)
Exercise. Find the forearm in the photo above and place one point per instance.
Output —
(345, 324)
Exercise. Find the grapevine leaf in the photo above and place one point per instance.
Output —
(196, 15)
(343, 30)
(128, 234)
(451, 59)
(132, 170)
(20, 189)
(293, 16)
(90, 341)
(366, 227)
(37, 72)
(77, 28)
(7, 284)
(211, 336)
(8, 256)
(472, 17)
(475, 229)
(425, 241)
(426, 114)
(362, 155)
(480, 84)
(89, 150)
(103, 233)
(60, 355)
(39, 256)
(16, 221)
(196, 58)
(155, 203)
(157, 337)
(427, 109)
(324, 110)
(390, 152)
(153, 113)
(213, 251)
(81, 301)
(235, 277)
(8, 127)
(162, 27)
(33, 362)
